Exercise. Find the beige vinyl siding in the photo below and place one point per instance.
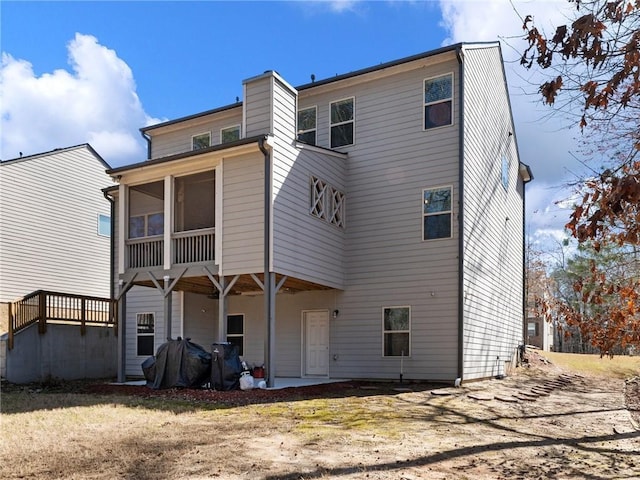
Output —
(48, 225)
(305, 246)
(284, 111)
(386, 261)
(175, 139)
(145, 300)
(493, 239)
(243, 214)
(258, 105)
(201, 320)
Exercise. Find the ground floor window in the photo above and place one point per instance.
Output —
(145, 332)
(396, 333)
(235, 331)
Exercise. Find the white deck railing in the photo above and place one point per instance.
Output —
(194, 246)
(145, 252)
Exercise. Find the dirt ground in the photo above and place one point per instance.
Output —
(540, 423)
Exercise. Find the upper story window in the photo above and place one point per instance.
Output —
(342, 122)
(104, 225)
(202, 140)
(438, 101)
(146, 207)
(504, 172)
(436, 213)
(307, 125)
(230, 134)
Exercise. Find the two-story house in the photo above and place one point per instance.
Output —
(369, 225)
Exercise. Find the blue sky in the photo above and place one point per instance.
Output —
(75, 72)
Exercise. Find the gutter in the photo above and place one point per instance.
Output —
(268, 310)
(460, 57)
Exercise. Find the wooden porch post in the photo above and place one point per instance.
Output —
(122, 334)
(11, 326)
(167, 306)
(270, 316)
(222, 310)
(83, 316)
(42, 312)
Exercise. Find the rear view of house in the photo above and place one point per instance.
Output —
(364, 226)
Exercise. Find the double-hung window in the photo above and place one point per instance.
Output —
(146, 225)
(145, 333)
(436, 213)
(438, 101)
(396, 325)
(202, 140)
(230, 134)
(235, 331)
(342, 122)
(307, 125)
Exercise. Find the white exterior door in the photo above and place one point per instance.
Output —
(316, 343)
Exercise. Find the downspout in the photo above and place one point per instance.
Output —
(268, 287)
(112, 232)
(525, 279)
(148, 139)
(121, 349)
(459, 56)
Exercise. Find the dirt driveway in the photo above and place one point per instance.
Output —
(542, 423)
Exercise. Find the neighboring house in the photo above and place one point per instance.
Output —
(540, 333)
(393, 204)
(55, 235)
(54, 224)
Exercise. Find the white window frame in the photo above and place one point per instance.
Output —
(152, 334)
(384, 331)
(228, 129)
(101, 232)
(352, 120)
(450, 212)
(315, 123)
(425, 104)
(236, 335)
(203, 134)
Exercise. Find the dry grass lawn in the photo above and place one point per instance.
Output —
(579, 428)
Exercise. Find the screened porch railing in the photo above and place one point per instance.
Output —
(194, 246)
(145, 252)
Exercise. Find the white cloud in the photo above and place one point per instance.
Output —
(546, 141)
(95, 103)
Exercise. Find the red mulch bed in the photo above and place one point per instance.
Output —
(247, 397)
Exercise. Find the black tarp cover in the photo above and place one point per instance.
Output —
(225, 367)
(178, 363)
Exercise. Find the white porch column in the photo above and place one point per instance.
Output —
(168, 219)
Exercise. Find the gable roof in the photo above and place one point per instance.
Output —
(337, 78)
(56, 151)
